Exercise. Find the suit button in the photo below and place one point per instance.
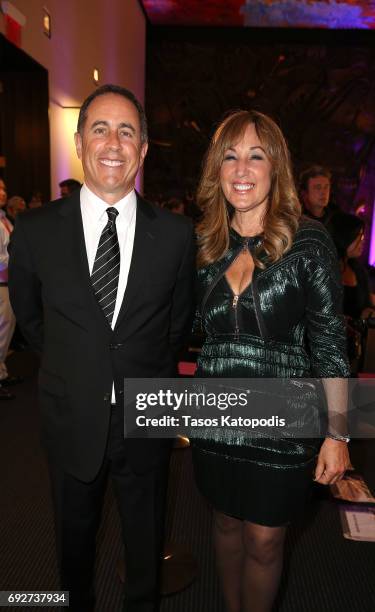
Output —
(107, 397)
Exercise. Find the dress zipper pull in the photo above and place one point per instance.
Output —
(234, 305)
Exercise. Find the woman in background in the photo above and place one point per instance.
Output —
(268, 301)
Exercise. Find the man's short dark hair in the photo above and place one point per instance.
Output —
(312, 172)
(71, 184)
(120, 91)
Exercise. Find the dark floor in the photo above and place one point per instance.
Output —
(323, 571)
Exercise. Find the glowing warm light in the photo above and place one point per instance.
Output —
(96, 76)
(64, 160)
(46, 23)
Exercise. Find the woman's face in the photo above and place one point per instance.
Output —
(356, 247)
(245, 174)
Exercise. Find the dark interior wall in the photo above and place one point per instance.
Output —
(24, 137)
(318, 85)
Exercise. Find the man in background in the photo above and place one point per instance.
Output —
(315, 190)
(68, 186)
(15, 205)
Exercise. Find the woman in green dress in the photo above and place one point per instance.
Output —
(269, 303)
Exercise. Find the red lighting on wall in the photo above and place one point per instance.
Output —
(12, 30)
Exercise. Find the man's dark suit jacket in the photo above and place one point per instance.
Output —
(55, 307)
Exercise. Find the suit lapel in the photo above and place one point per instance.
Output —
(74, 242)
(144, 239)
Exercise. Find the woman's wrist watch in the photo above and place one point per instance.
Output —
(338, 437)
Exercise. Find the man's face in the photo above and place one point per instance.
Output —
(64, 191)
(316, 197)
(15, 206)
(3, 194)
(110, 147)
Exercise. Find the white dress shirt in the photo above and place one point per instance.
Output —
(5, 229)
(95, 218)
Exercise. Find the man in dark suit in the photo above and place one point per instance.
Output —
(102, 286)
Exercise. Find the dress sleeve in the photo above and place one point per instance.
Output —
(326, 334)
(325, 322)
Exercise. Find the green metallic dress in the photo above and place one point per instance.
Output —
(286, 324)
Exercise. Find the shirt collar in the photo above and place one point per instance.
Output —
(96, 207)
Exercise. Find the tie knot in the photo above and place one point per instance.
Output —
(112, 214)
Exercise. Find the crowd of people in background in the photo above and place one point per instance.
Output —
(315, 190)
(16, 204)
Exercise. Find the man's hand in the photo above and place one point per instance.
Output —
(333, 461)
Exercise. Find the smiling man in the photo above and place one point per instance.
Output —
(102, 287)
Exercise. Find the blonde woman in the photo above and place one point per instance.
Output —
(269, 304)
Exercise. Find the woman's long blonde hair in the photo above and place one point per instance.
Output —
(284, 209)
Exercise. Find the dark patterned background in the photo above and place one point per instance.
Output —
(318, 85)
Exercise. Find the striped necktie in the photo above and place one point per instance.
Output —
(106, 270)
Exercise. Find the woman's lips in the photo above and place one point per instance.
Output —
(243, 187)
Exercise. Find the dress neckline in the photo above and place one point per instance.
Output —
(249, 240)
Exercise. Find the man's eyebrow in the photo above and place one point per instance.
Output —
(129, 126)
(99, 122)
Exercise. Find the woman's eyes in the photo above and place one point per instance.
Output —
(233, 157)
